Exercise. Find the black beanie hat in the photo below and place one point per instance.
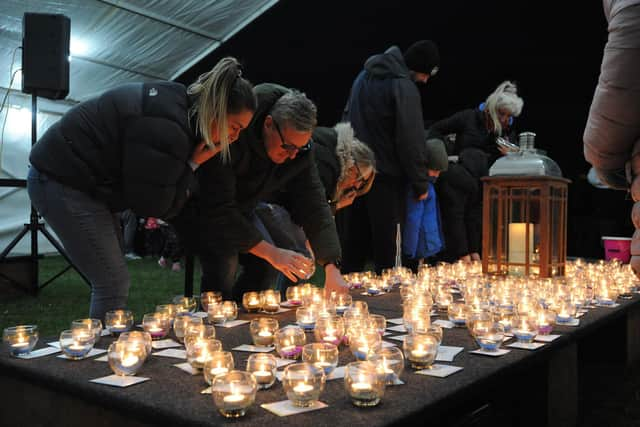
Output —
(437, 158)
(423, 57)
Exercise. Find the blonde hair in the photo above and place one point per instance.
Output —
(220, 92)
(505, 97)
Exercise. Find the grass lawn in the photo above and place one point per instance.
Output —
(67, 298)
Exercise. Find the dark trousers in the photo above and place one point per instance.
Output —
(368, 228)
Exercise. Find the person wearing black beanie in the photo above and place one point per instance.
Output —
(385, 110)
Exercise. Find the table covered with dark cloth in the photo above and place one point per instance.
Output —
(172, 396)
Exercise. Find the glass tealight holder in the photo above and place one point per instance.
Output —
(324, 308)
(215, 314)
(209, 297)
(125, 357)
(342, 302)
(185, 304)
(270, 300)
(389, 363)
(117, 321)
(77, 343)
(199, 331)
(360, 306)
(457, 313)
(329, 330)
(321, 355)
(303, 383)
(289, 342)
(233, 393)
(306, 318)
(364, 384)
(420, 350)
(378, 322)
(199, 350)
(374, 287)
(263, 331)
(364, 342)
(489, 335)
(143, 339)
(230, 310)
(524, 328)
(263, 367)
(93, 325)
(168, 311)
(183, 322)
(443, 299)
(505, 316)
(20, 339)
(219, 363)
(565, 312)
(156, 325)
(312, 295)
(251, 302)
(294, 295)
(545, 319)
(436, 331)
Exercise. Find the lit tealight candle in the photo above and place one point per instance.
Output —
(129, 360)
(302, 388)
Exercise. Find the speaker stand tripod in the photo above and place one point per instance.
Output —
(33, 227)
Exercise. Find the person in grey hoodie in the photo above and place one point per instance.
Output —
(385, 111)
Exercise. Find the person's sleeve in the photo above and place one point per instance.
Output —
(410, 142)
(452, 124)
(306, 202)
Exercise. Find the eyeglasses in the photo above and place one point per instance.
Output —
(360, 178)
(290, 147)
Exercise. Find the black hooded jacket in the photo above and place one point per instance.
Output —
(129, 148)
(385, 111)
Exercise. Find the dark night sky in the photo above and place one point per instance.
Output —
(552, 50)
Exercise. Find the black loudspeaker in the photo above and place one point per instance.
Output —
(45, 55)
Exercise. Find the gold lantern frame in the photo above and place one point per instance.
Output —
(528, 213)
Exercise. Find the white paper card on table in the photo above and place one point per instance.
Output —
(398, 337)
(187, 368)
(397, 381)
(200, 314)
(104, 358)
(526, 345)
(367, 294)
(399, 328)
(206, 391)
(283, 362)
(55, 344)
(386, 344)
(336, 374)
(254, 348)
(546, 338)
(444, 323)
(93, 352)
(446, 353)
(39, 353)
(614, 305)
(105, 333)
(233, 323)
(572, 322)
(285, 408)
(290, 305)
(440, 371)
(168, 343)
(397, 321)
(172, 352)
(580, 313)
(496, 353)
(119, 381)
(386, 334)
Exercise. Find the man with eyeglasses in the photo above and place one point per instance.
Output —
(272, 158)
(385, 110)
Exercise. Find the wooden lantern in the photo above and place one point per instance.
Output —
(524, 228)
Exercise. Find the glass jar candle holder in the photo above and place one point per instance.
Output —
(443, 299)
(167, 311)
(374, 287)
(270, 300)
(233, 393)
(363, 342)
(142, 339)
(364, 384)
(251, 302)
(457, 314)
(156, 325)
(117, 321)
(215, 314)
(504, 316)
(377, 322)
(125, 357)
(199, 350)
(329, 330)
(209, 297)
(306, 318)
(294, 295)
(312, 295)
(20, 339)
(524, 328)
(77, 343)
(321, 355)
(389, 363)
(92, 325)
(565, 312)
(199, 331)
(303, 383)
(420, 350)
(342, 302)
(185, 304)
(219, 363)
(488, 335)
(545, 319)
(324, 308)
(436, 331)
(182, 323)
(263, 331)
(289, 342)
(360, 306)
(604, 294)
(263, 367)
(230, 310)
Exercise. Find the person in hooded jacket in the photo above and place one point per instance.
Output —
(385, 110)
(135, 146)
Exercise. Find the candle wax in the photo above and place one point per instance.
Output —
(303, 388)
